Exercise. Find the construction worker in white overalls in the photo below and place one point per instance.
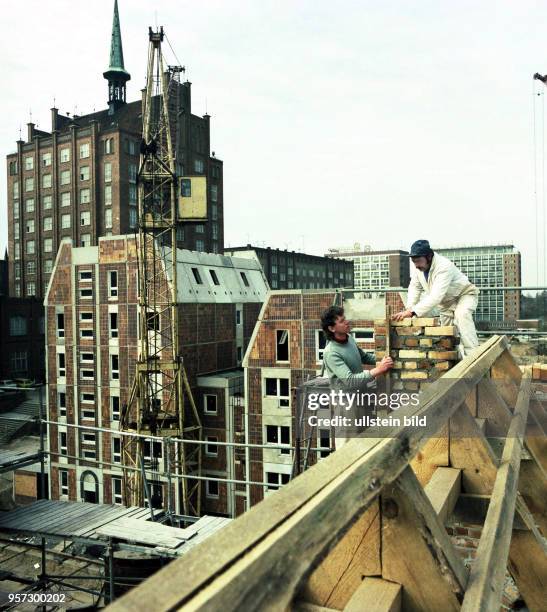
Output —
(438, 283)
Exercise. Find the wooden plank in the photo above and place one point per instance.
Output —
(331, 495)
(443, 491)
(531, 578)
(492, 408)
(306, 606)
(472, 508)
(356, 555)
(487, 577)
(433, 454)
(536, 438)
(506, 376)
(376, 594)
(417, 553)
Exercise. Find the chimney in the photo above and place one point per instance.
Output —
(30, 132)
(54, 116)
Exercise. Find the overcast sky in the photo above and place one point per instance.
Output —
(338, 122)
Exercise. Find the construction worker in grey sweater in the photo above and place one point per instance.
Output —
(343, 361)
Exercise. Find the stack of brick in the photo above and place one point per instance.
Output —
(421, 348)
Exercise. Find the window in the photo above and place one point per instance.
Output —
(61, 403)
(132, 194)
(65, 221)
(117, 496)
(86, 275)
(86, 294)
(85, 240)
(31, 289)
(30, 226)
(107, 172)
(63, 481)
(17, 326)
(108, 146)
(84, 173)
(46, 159)
(65, 155)
(61, 365)
(19, 362)
(132, 173)
(16, 229)
(60, 325)
(17, 268)
(132, 147)
(13, 168)
(198, 165)
(278, 387)
(65, 177)
(113, 328)
(31, 267)
(29, 163)
(87, 374)
(366, 334)
(116, 450)
(15, 187)
(48, 245)
(211, 449)
(214, 193)
(200, 229)
(16, 210)
(89, 438)
(276, 480)
(214, 212)
(214, 230)
(87, 398)
(320, 344)
(29, 205)
(239, 354)
(279, 434)
(214, 277)
(30, 247)
(85, 317)
(88, 453)
(85, 196)
(86, 333)
(197, 276)
(114, 367)
(29, 184)
(244, 279)
(85, 218)
(88, 412)
(186, 188)
(48, 224)
(112, 283)
(200, 245)
(65, 198)
(210, 404)
(84, 150)
(62, 443)
(46, 181)
(211, 488)
(115, 407)
(282, 345)
(17, 290)
(132, 217)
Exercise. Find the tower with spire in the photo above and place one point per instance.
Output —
(116, 75)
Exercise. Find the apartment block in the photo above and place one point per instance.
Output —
(291, 270)
(79, 179)
(375, 269)
(491, 266)
(92, 348)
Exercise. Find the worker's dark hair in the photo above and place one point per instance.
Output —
(329, 318)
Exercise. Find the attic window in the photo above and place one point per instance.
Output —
(244, 279)
(282, 345)
(214, 277)
(197, 277)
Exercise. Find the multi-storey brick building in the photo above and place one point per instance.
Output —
(92, 344)
(286, 348)
(78, 180)
(375, 269)
(291, 270)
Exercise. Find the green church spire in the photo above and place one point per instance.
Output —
(116, 74)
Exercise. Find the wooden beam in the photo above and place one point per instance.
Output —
(263, 542)
(493, 408)
(433, 454)
(530, 577)
(443, 491)
(376, 594)
(488, 572)
(356, 555)
(506, 376)
(417, 553)
(472, 508)
(306, 606)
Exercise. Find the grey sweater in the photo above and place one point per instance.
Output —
(345, 361)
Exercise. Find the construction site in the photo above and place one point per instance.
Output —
(170, 461)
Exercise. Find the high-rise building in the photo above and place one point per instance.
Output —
(491, 266)
(291, 270)
(79, 180)
(375, 269)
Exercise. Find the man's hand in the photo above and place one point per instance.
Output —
(399, 316)
(384, 365)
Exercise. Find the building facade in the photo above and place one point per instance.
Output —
(79, 180)
(375, 269)
(290, 270)
(491, 266)
(91, 335)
